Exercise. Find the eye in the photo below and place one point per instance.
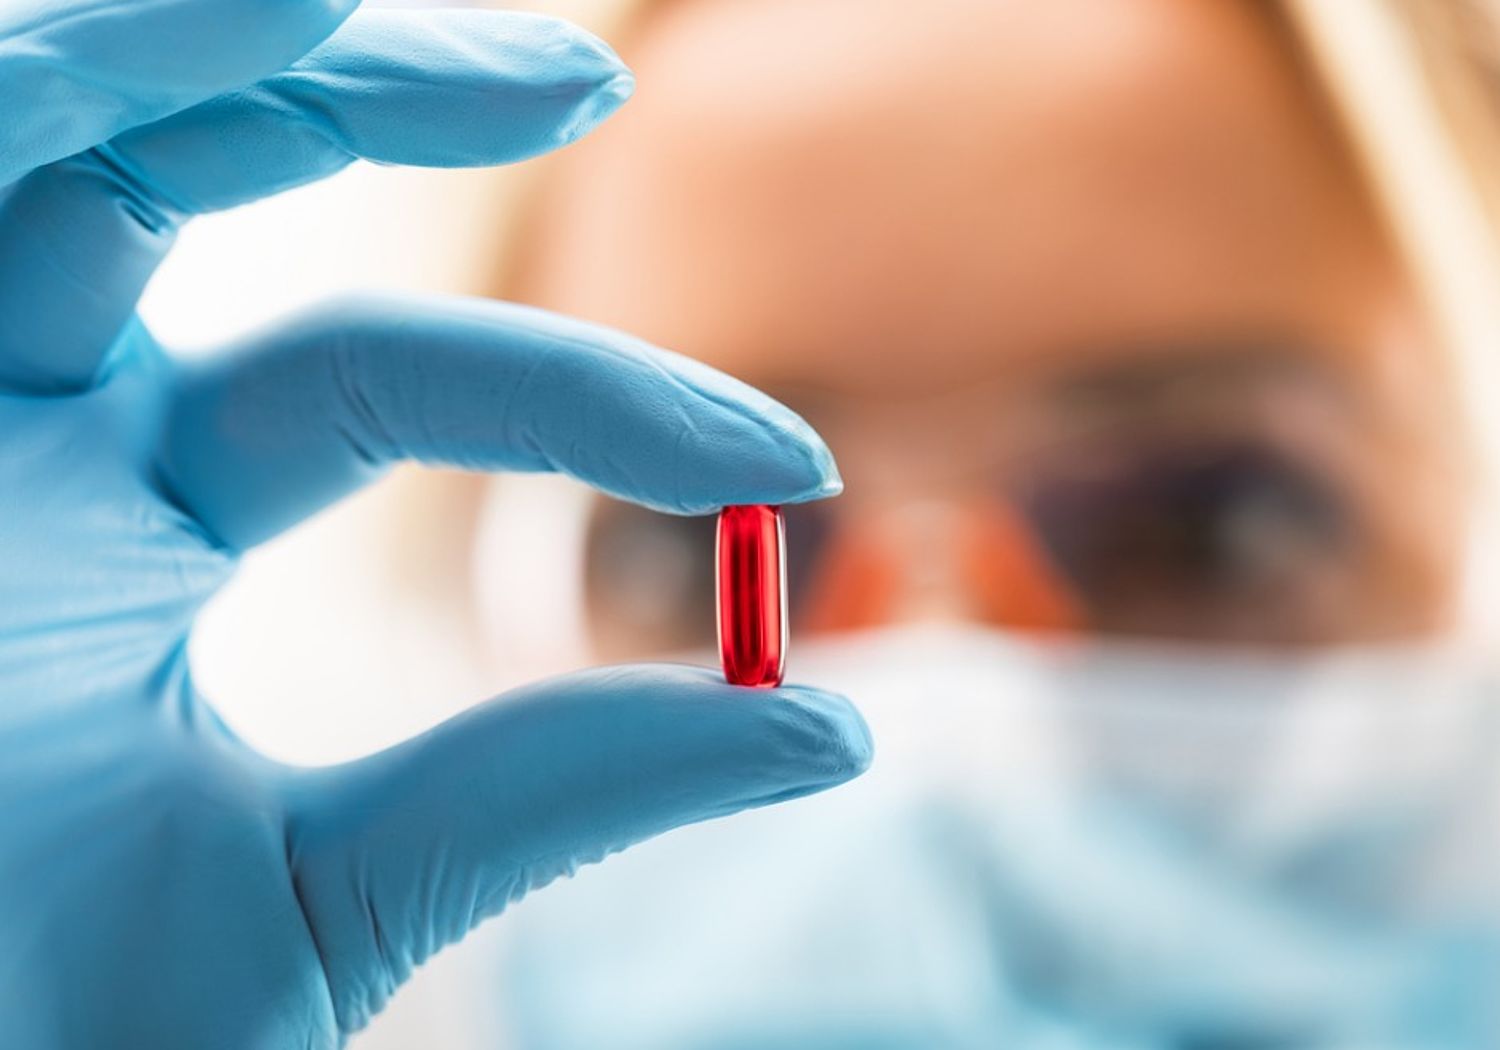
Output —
(1186, 541)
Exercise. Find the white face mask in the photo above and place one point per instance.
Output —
(1281, 840)
(1094, 845)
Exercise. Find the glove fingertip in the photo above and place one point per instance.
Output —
(598, 106)
(850, 744)
(757, 452)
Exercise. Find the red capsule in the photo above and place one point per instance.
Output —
(752, 595)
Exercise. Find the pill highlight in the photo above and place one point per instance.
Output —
(751, 554)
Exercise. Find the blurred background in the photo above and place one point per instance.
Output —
(1157, 343)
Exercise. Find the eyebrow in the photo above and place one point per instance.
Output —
(1161, 373)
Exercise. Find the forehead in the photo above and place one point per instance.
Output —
(875, 194)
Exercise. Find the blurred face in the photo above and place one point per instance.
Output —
(1087, 297)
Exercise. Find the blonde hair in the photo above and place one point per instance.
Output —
(1417, 86)
(1458, 45)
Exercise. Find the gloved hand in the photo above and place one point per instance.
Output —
(161, 885)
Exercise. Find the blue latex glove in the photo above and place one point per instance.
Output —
(161, 885)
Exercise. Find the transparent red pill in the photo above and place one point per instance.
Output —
(751, 553)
